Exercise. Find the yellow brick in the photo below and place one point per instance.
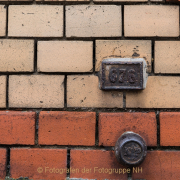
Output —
(167, 54)
(93, 21)
(151, 20)
(35, 21)
(123, 48)
(2, 20)
(17, 55)
(161, 92)
(83, 91)
(36, 91)
(2, 91)
(65, 56)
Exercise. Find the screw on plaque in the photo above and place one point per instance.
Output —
(130, 149)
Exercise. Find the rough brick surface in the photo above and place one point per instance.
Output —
(38, 163)
(96, 164)
(161, 92)
(35, 21)
(36, 91)
(83, 91)
(93, 21)
(169, 128)
(17, 127)
(3, 160)
(151, 20)
(17, 55)
(123, 49)
(67, 128)
(2, 91)
(167, 55)
(113, 125)
(2, 20)
(159, 165)
(65, 56)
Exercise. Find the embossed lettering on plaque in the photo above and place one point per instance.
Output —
(123, 73)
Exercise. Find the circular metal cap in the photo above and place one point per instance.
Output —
(130, 149)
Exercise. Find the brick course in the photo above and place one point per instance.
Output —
(153, 20)
(169, 128)
(65, 56)
(17, 55)
(3, 91)
(2, 20)
(17, 127)
(113, 125)
(61, 128)
(161, 92)
(41, 162)
(3, 161)
(159, 165)
(86, 93)
(36, 91)
(93, 21)
(35, 21)
(167, 57)
(92, 162)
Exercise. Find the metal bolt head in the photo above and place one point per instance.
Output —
(130, 149)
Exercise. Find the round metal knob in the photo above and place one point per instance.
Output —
(130, 149)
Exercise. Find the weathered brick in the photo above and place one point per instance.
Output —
(167, 57)
(2, 20)
(151, 20)
(3, 163)
(161, 92)
(17, 55)
(38, 163)
(17, 127)
(36, 91)
(159, 165)
(113, 125)
(35, 21)
(123, 49)
(169, 128)
(83, 91)
(96, 164)
(2, 91)
(67, 128)
(65, 56)
(93, 21)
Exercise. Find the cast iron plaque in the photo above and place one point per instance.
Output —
(130, 149)
(121, 74)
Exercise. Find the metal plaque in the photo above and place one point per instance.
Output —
(130, 149)
(123, 73)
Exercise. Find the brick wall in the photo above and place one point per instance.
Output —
(55, 122)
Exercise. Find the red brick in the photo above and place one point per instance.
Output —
(82, 160)
(17, 127)
(27, 162)
(113, 125)
(169, 128)
(160, 165)
(3, 154)
(67, 128)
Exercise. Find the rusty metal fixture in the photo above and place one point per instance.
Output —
(123, 73)
(130, 149)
